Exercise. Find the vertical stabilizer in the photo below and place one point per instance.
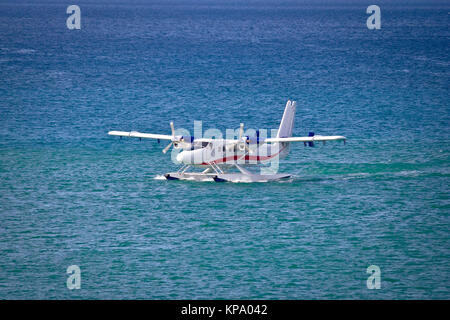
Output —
(287, 122)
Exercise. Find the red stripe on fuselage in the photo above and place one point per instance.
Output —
(247, 157)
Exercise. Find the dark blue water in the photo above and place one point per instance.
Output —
(71, 194)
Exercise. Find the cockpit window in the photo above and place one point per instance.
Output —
(200, 144)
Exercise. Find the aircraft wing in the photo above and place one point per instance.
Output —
(136, 134)
(305, 139)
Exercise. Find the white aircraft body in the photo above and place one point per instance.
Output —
(218, 156)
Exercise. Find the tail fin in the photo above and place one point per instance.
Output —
(287, 122)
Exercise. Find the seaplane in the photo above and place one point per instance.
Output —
(231, 159)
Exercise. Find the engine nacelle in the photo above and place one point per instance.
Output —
(184, 143)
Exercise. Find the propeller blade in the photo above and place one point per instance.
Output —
(172, 128)
(167, 148)
(241, 131)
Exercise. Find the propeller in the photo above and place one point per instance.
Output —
(242, 145)
(167, 148)
(173, 138)
(172, 128)
(241, 131)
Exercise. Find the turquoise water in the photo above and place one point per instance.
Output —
(70, 194)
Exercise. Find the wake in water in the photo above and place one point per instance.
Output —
(362, 175)
(334, 177)
(323, 178)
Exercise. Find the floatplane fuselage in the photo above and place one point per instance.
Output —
(218, 156)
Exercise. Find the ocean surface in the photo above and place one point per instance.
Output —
(72, 195)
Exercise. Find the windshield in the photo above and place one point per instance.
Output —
(200, 144)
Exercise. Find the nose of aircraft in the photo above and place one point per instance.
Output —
(180, 157)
